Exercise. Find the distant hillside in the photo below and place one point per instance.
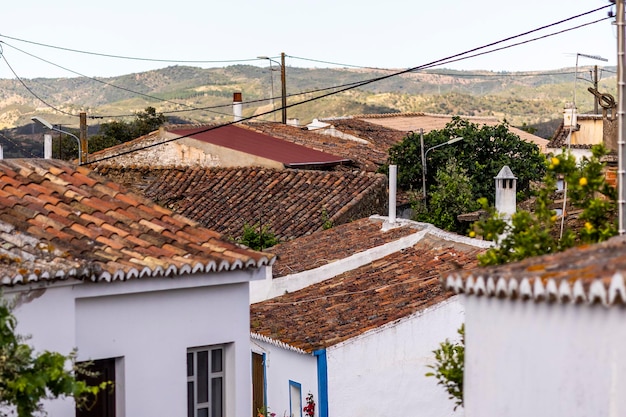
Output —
(205, 95)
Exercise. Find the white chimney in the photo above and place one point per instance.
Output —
(569, 117)
(47, 146)
(393, 174)
(506, 189)
(237, 107)
(1, 152)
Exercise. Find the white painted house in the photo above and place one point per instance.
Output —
(545, 337)
(356, 321)
(159, 304)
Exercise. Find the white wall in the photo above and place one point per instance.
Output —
(281, 366)
(525, 358)
(151, 330)
(382, 373)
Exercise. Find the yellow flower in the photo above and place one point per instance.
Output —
(472, 234)
(553, 218)
(555, 161)
(582, 181)
(588, 226)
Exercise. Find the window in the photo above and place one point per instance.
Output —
(205, 382)
(102, 405)
(295, 399)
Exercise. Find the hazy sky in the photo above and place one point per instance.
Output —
(389, 34)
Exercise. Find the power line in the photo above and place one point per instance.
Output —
(355, 85)
(94, 79)
(18, 146)
(180, 61)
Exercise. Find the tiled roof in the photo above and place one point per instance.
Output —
(559, 139)
(367, 156)
(582, 275)
(381, 137)
(406, 122)
(59, 221)
(291, 203)
(339, 242)
(245, 140)
(365, 298)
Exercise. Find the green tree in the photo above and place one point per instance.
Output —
(449, 367)
(116, 132)
(450, 196)
(257, 237)
(483, 151)
(27, 377)
(537, 233)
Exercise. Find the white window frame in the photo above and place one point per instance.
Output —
(211, 375)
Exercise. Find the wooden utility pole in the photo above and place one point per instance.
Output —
(595, 87)
(83, 138)
(283, 86)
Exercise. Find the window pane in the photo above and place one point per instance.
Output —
(189, 364)
(216, 360)
(203, 412)
(203, 376)
(190, 402)
(216, 397)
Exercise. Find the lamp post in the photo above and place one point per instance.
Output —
(425, 153)
(48, 125)
(283, 84)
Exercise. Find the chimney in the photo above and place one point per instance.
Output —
(506, 188)
(237, 107)
(391, 220)
(569, 117)
(47, 146)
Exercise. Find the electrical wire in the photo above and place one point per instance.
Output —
(18, 146)
(99, 81)
(451, 58)
(33, 93)
(180, 61)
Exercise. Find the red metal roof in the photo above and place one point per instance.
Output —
(255, 143)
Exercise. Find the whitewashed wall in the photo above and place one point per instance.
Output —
(149, 323)
(282, 366)
(382, 372)
(544, 359)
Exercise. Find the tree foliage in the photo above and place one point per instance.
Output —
(27, 377)
(483, 151)
(116, 132)
(535, 233)
(257, 237)
(449, 367)
(451, 195)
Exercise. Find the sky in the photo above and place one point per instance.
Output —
(395, 34)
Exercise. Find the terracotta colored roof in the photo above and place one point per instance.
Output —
(406, 122)
(245, 140)
(581, 275)
(59, 221)
(381, 137)
(339, 242)
(367, 156)
(365, 298)
(291, 203)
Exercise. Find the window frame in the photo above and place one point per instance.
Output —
(211, 374)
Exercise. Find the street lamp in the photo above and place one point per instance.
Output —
(283, 84)
(48, 125)
(425, 153)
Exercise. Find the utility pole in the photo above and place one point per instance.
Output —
(283, 86)
(83, 138)
(595, 87)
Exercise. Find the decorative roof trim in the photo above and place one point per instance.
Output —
(551, 290)
(277, 343)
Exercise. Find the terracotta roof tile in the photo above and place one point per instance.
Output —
(585, 274)
(89, 233)
(365, 298)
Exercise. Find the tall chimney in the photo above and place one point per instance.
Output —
(237, 107)
(506, 189)
(47, 146)
(393, 174)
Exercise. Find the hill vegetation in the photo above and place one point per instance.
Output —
(194, 95)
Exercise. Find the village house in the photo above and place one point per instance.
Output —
(352, 315)
(544, 337)
(157, 302)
